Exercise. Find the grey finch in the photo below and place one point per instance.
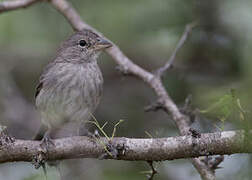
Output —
(70, 87)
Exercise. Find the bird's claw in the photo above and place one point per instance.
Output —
(40, 159)
(46, 142)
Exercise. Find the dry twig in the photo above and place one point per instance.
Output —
(181, 42)
(153, 170)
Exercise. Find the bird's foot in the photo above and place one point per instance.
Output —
(40, 158)
(46, 142)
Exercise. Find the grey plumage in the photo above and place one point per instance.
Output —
(70, 87)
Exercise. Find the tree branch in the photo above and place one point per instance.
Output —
(227, 142)
(181, 42)
(16, 4)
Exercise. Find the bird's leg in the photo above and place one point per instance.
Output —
(40, 159)
(46, 141)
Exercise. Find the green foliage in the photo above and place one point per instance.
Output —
(226, 106)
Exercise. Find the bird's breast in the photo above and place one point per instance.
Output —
(71, 92)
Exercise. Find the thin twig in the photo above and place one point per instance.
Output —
(158, 105)
(153, 170)
(214, 162)
(181, 42)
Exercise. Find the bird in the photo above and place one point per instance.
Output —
(70, 86)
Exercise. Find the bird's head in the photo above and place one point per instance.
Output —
(83, 46)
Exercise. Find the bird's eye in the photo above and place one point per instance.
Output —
(82, 43)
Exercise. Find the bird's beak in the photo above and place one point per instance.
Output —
(103, 44)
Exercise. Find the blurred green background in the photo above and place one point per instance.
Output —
(215, 59)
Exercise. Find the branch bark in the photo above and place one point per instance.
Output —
(16, 4)
(131, 149)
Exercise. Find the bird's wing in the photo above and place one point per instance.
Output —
(38, 88)
(41, 79)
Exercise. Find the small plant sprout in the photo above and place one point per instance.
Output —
(101, 129)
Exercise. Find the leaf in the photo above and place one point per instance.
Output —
(223, 107)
